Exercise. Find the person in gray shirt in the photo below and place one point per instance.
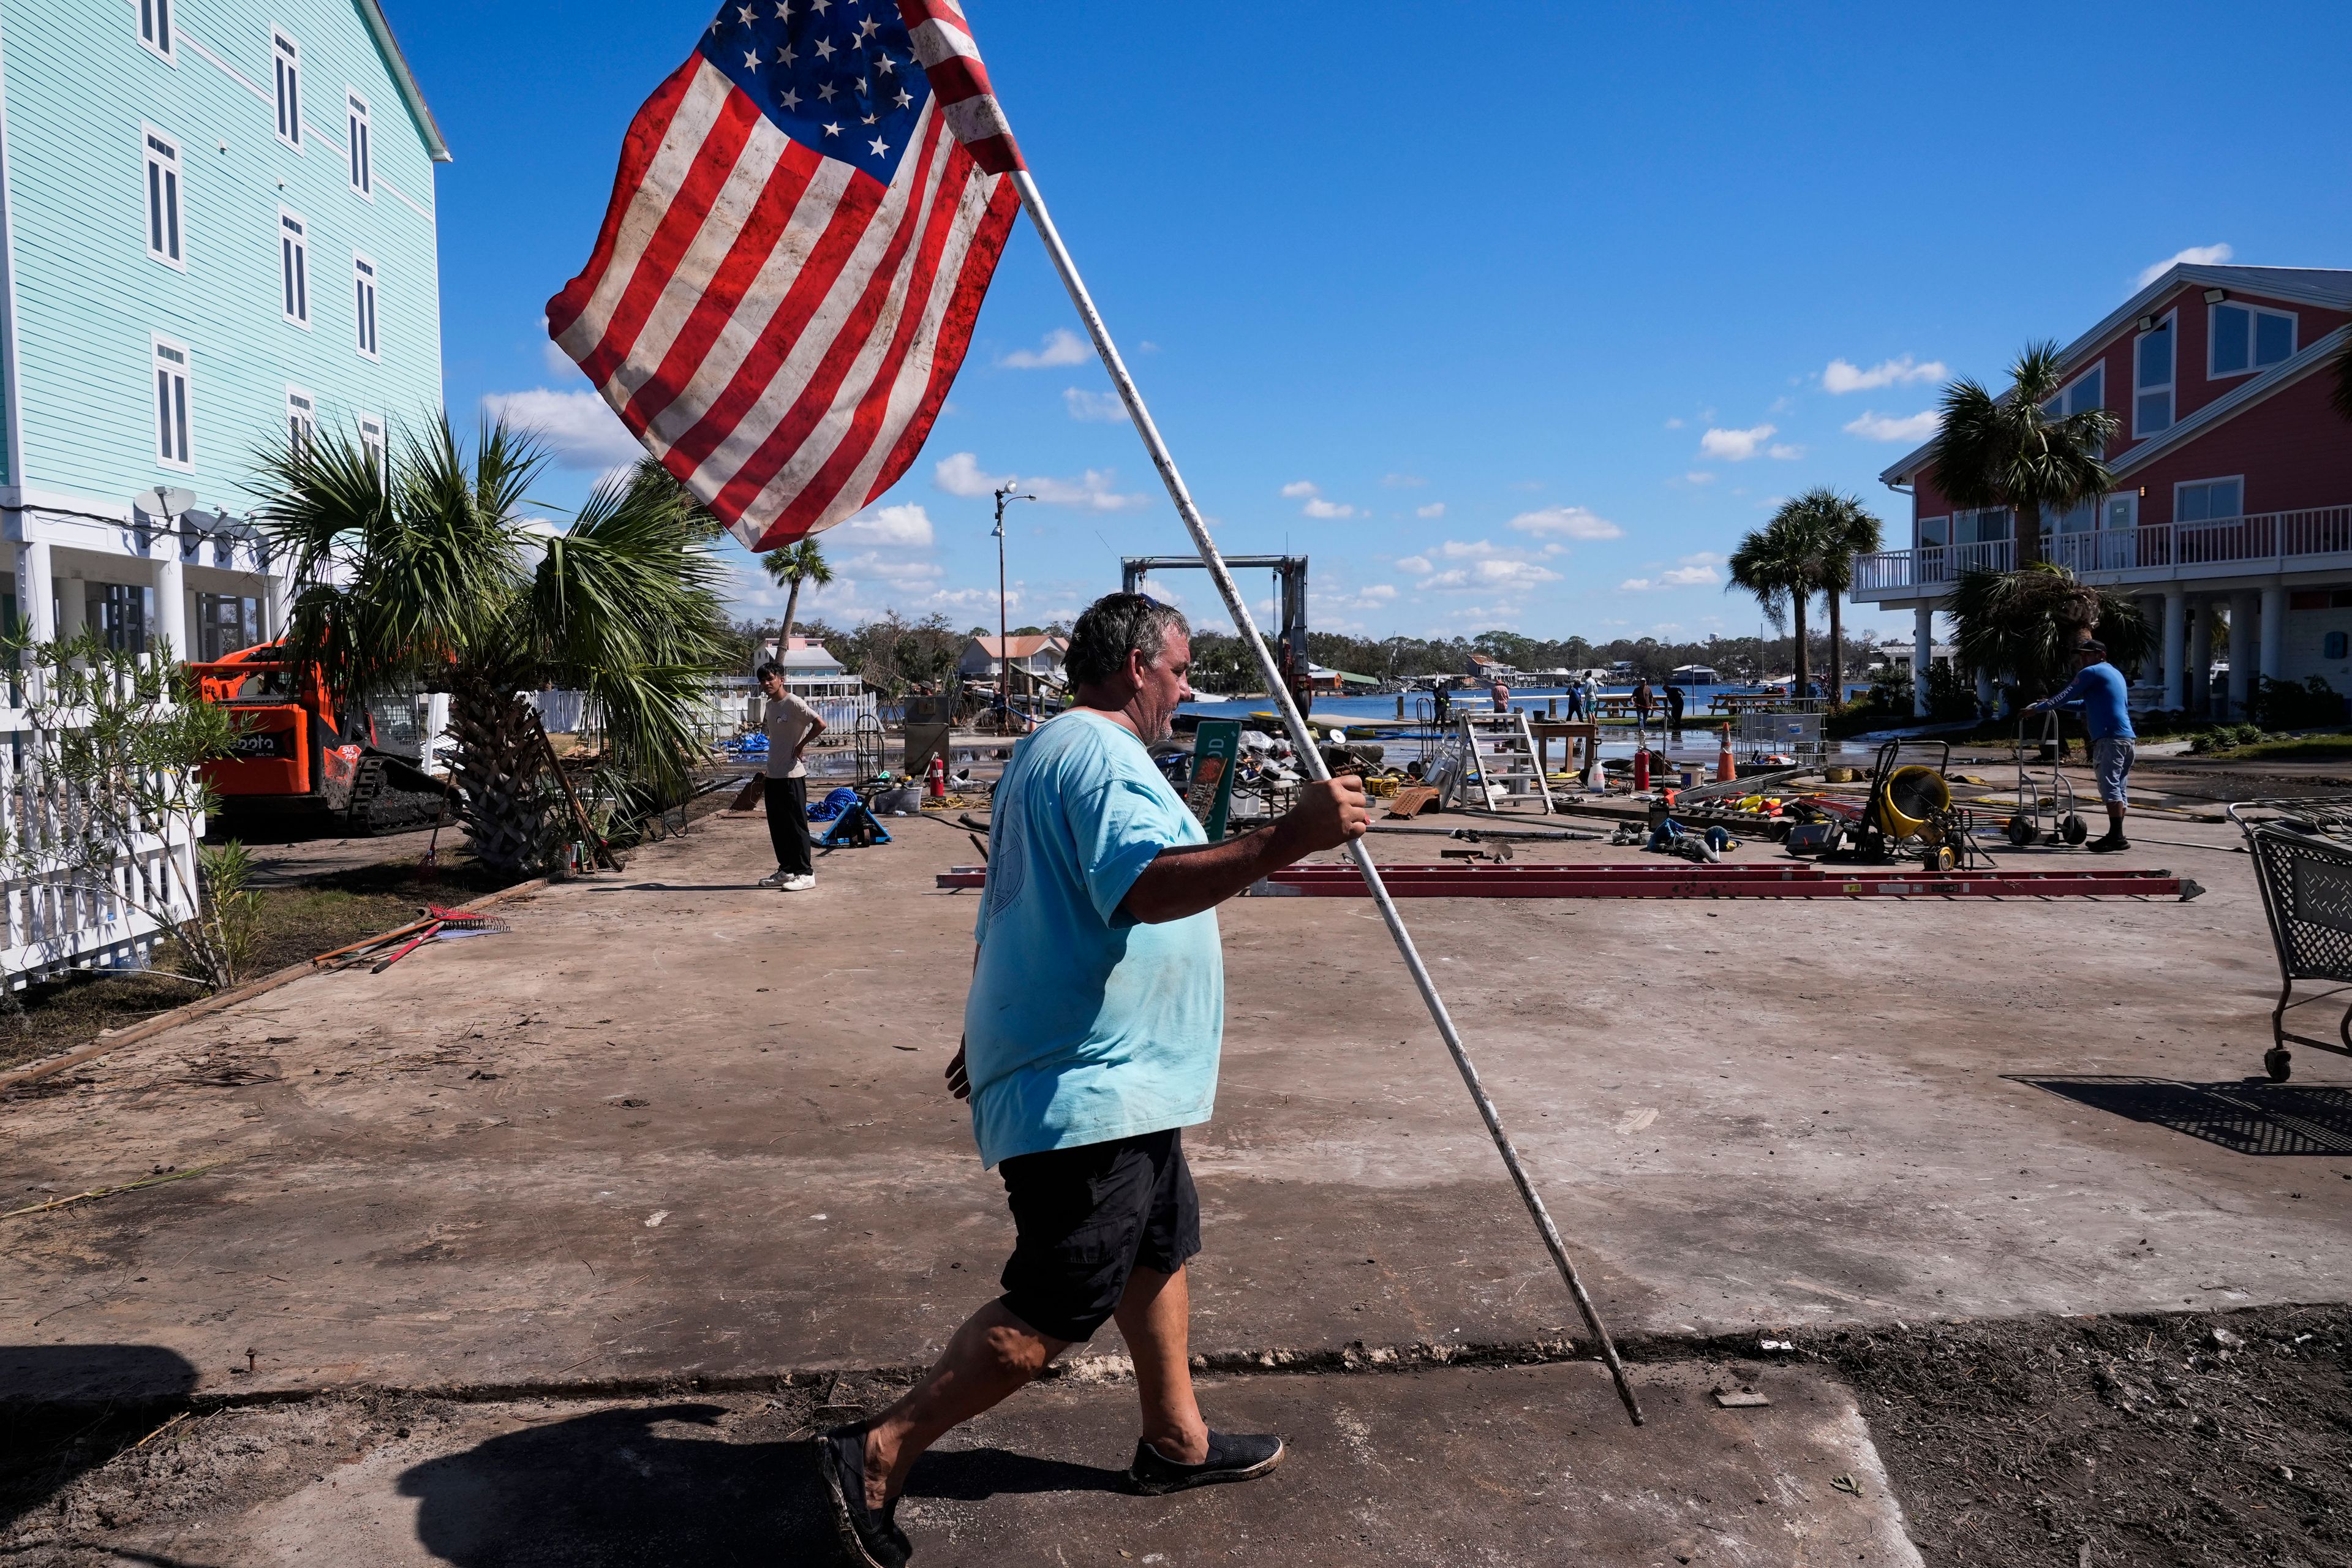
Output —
(791, 726)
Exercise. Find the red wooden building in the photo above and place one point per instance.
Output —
(2234, 486)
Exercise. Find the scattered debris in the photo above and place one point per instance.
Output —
(109, 1192)
(1847, 1485)
(1741, 1399)
(652, 1220)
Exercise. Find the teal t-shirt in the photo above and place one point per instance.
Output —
(1084, 1025)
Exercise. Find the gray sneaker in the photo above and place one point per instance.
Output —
(779, 877)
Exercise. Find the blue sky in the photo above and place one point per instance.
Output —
(1507, 315)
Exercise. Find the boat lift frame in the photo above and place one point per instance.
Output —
(1290, 639)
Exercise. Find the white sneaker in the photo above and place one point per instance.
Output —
(803, 884)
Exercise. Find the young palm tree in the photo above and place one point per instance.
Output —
(797, 563)
(2009, 451)
(1781, 565)
(2025, 625)
(430, 577)
(1842, 528)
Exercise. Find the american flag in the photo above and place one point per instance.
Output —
(807, 216)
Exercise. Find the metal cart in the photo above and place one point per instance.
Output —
(2066, 823)
(2302, 851)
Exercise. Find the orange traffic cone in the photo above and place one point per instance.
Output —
(1725, 769)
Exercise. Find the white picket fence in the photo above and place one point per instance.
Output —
(53, 917)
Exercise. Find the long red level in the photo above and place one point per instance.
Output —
(1770, 880)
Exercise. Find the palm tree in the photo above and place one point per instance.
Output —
(2010, 451)
(431, 576)
(2025, 623)
(797, 563)
(1781, 565)
(1843, 529)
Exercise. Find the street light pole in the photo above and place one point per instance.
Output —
(1004, 493)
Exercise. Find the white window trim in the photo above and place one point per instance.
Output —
(2171, 324)
(309, 411)
(2131, 501)
(186, 370)
(2179, 485)
(375, 423)
(178, 166)
(370, 320)
(2066, 393)
(167, 51)
(360, 148)
(1919, 528)
(2212, 339)
(303, 294)
(281, 40)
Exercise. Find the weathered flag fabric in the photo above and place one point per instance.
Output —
(806, 218)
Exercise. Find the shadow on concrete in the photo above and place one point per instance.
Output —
(2252, 1116)
(681, 887)
(969, 1475)
(67, 1409)
(608, 1487)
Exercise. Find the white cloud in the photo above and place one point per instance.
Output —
(1434, 508)
(897, 570)
(1297, 488)
(1097, 406)
(1417, 565)
(1699, 571)
(1784, 453)
(1676, 423)
(1062, 346)
(907, 526)
(1459, 550)
(1699, 476)
(578, 427)
(959, 474)
(1876, 427)
(559, 363)
(1567, 521)
(1404, 481)
(1735, 445)
(2195, 256)
(1319, 508)
(1843, 376)
(1093, 490)
(1377, 593)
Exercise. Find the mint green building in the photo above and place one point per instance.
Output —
(217, 233)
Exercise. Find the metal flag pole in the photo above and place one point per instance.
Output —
(1312, 757)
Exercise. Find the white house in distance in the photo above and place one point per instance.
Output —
(1038, 656)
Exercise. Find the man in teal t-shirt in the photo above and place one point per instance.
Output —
(1091, 1037)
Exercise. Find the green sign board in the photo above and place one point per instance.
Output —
(1211, 794)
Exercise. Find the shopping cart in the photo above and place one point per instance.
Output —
(2302, 851)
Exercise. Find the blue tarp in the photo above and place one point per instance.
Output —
(832, 805)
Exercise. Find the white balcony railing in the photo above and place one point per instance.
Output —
(2224, 546)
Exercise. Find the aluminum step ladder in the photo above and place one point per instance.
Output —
(1503, 749)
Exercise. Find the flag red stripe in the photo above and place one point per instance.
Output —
(824, 381)
(996, 154)
(754, 243)
(824, 486)
(954, 333)
(638, 151)
(958, 78)
(729, 135)
(859, 201)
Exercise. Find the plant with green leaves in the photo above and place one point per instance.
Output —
(800, 561)
(433, 576)
(110, 798)
(1782, 565)
(1844, 527)
(2024, 625)
(2013, 451)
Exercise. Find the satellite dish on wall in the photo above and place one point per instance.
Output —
(164, 501)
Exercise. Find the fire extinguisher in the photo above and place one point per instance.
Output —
(935, 781)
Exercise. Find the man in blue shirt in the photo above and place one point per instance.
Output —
(1091, 1037)
(2099, 694)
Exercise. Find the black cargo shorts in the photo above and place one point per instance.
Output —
(1086, 1218)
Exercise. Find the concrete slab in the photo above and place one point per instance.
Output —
(1460, 1466)
(675, 1126)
